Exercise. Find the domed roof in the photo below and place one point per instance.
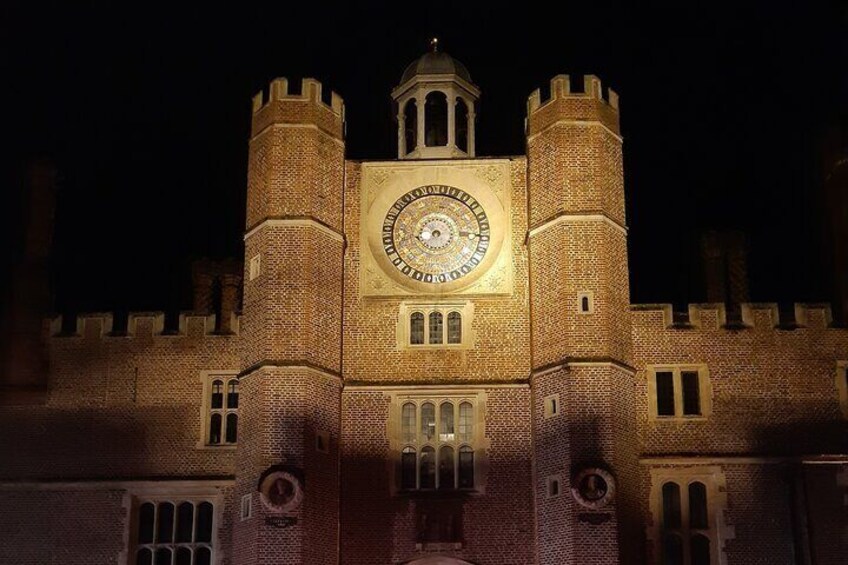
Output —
(435, 63)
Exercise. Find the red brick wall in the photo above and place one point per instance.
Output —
(120, 407)
(61, 526)
(773, 390)
(283, 408)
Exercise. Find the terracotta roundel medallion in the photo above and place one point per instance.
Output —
(436, 234)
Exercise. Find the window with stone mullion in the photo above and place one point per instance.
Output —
(685, 528)
(174, 534)
(223, 411)
(441, 454)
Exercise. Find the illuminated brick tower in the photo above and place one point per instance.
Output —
(436, 363)
(291, 323)
(582, 376)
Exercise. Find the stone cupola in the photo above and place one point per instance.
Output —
(436, 108)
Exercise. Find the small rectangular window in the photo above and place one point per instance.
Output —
(586, 302)
(552, 406)
(322, 442)
(554, 486)
(246, 506)
(255, 266)
(665, 393)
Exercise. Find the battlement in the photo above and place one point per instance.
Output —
(311, 91)
(100, 325)
(713, 316)
(561, 89)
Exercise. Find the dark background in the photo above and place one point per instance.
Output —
(145, 111)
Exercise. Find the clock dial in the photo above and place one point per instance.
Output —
(436, 234)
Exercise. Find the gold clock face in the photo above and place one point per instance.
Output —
(436, 234)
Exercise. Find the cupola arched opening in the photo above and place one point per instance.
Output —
(410, 122)
(436, 119)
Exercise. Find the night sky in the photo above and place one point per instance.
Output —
(145, 110)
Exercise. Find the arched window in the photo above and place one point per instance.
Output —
(163, 556)
(408, 421)
(204, 556)
(466, 467)
(428, 421)
(146, 513)
(466, 422)
(461, 119)
(217, 395)
(232, 427)
(416, 328)
(446, 423)
(407, 468)
(165, 529)
(144, 557)
(232, 394)
(436, 328)
(436, 120)
(183, 556)
(672, 550)
(410, 124)
(185, 522)
(671, 505)
(454, 327)
(698, 506)
(700, 550)
(215, 428)
(204, 523)
(428, 467)
(446, 468)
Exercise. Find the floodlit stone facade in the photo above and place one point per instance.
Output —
(435, 361)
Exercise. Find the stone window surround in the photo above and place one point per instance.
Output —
(465, 309)
(704, 388)
(206, 378)
(255, 268)
(591, 298)
(553, 407)
(246, 509)
(174, 492)
(712, 477)
(479, 441)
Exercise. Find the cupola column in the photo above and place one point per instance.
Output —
(421, 107)
(472, 152)
(452, 98)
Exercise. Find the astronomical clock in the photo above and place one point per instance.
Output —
(436, 228)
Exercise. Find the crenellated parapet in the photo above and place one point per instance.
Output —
(713, 316)
(308, 107)
(100, 325)
(564, 104)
